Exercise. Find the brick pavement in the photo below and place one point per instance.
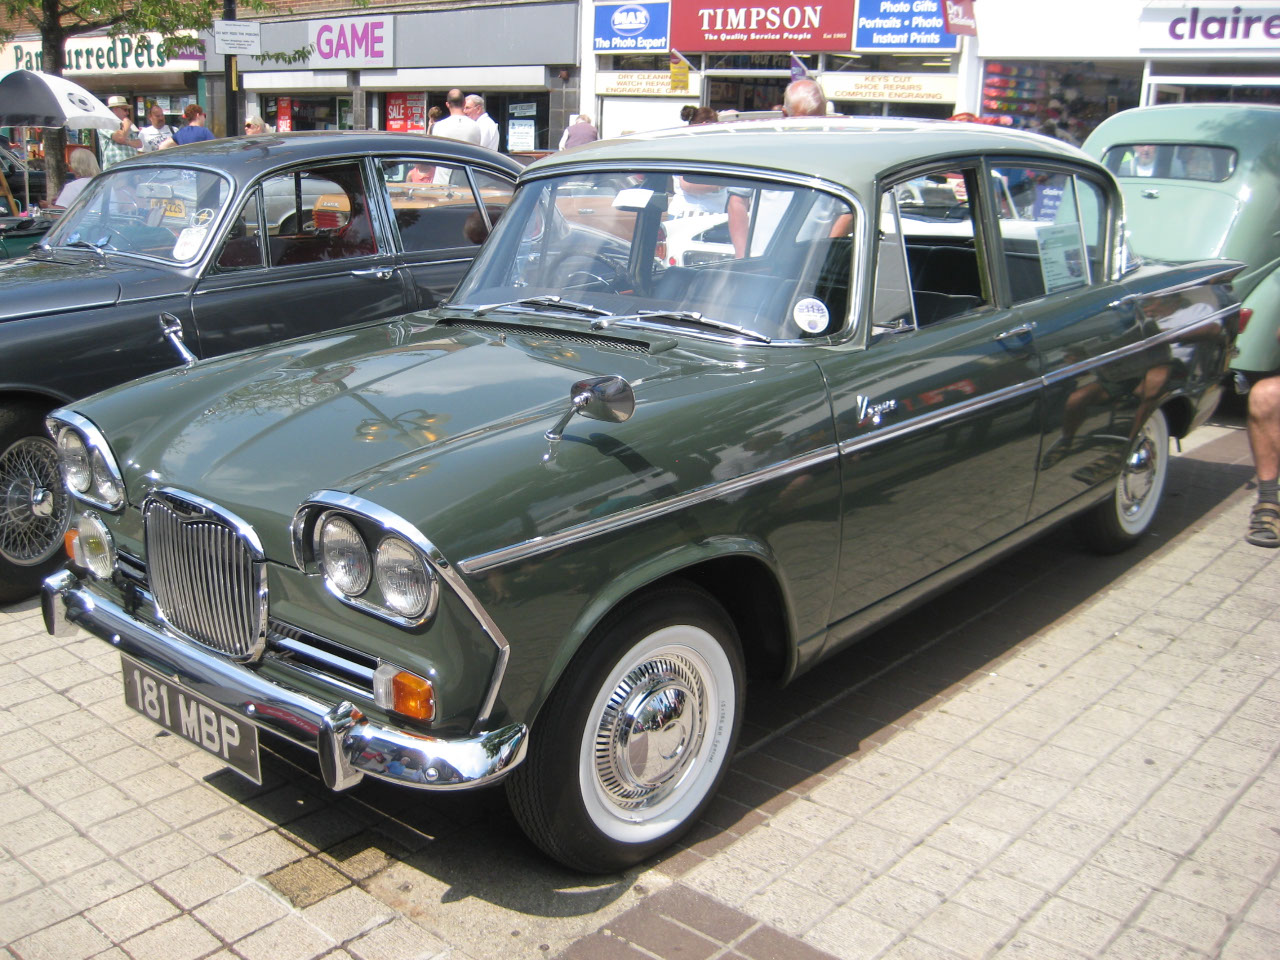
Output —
(1070, 757)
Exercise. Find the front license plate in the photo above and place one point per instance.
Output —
(181, 712)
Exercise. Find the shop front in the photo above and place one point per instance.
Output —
(871, 57)
(1098, 57)
(384, 72)
(132, 66)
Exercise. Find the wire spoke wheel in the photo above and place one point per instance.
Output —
(33, 511)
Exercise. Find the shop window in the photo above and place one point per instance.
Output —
(1047, 244)
(318, 214)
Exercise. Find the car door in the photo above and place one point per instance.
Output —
(1100, 385)
(938, 419)
(306, 252)
(442, 212)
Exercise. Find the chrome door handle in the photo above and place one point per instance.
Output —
(1019, 331)
(381, 273)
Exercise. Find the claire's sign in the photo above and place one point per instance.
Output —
(725, 25)
(1209, 26)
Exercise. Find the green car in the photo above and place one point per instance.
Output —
(1209, 187)
(546, 532)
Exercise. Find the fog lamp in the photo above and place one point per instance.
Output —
(93, 548)
(405, 693)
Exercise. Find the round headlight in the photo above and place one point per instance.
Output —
(73, 458)
(403, 578)
(105, 486)
(344, 556)
(97, 550)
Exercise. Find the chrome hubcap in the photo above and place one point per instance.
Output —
(651, 732)
(33, 514)
(1139, 476)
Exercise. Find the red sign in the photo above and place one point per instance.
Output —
(960, 19)
(284, 114)
(706, 25)
(406, 112)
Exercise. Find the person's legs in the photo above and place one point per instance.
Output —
(1264, 441)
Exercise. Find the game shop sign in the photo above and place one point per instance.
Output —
(724, 25)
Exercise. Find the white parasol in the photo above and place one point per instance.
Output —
(30, 99)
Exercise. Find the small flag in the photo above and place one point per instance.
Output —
(798, 69)
(679, 71)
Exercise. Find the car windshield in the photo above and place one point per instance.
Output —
(162, 212)
(694, 251)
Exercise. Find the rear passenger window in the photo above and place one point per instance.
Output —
(1052, 238)
(930, 220)
(434, 206)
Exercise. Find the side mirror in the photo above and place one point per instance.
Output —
(609, 399)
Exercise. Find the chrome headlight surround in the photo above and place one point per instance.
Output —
(85, 460)
(402, 587)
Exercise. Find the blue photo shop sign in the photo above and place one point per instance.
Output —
(633, 28)
(902, 25)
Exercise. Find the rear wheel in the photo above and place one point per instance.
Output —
(636, 736)
(33, 503)
(1120, 521)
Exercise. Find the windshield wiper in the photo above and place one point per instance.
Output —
(545, 301)
(77, 244)
(688, 316)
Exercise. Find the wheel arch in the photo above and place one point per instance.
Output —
(740, 574)
(1180, 412)
(16, 396)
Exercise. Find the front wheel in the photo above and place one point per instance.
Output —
(637, 735)
(33, 503)
(1120, 521)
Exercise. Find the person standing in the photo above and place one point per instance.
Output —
(85, 167)
(579, 132)
(256, 125)
(474, 108)
(195, 130)
(457, 126)
(1264, 441)
(123, 143)
(156, 132)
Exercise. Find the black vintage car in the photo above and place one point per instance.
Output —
(198, 251)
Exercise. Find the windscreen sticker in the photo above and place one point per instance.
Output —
(190, 240)
(811, 315)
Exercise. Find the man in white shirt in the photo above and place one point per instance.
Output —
(457, 126)
(474, 108)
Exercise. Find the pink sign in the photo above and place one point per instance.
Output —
(284, 114)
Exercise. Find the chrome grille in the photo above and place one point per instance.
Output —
(206, 575)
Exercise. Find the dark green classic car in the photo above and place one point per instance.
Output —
(710, 405)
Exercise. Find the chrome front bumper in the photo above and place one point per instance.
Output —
(349, 745)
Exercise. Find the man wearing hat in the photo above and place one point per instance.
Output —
(123, 143)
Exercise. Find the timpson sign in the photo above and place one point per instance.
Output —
(781, 27)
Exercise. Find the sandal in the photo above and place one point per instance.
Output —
(1264, 525)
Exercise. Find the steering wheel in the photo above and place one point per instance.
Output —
(589, 273)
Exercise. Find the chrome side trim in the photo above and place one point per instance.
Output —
(440, 564)
(484, 562)
(961, 409)
(355, 745)
(1165, 336)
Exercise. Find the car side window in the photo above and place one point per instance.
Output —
(242, 247)
(434, 206)
(318, 214)
(495, 194)
(891, 300)
(944, 275)
(1043, 243)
